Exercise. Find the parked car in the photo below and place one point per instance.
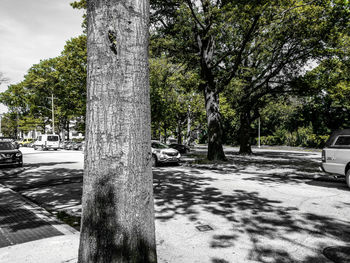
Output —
(30, 145)
(47, 141)
(78, 146)
(162, 153)
(9, 153)
(10, 139)
(63, 144)
(25, 142)
(180, 147)
(68, 145)
(336, 155)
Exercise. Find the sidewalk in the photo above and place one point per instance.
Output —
(29, 234)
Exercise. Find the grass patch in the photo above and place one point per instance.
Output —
(73, 221)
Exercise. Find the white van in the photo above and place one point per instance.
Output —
(47, 141)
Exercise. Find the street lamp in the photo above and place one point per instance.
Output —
(53, 114)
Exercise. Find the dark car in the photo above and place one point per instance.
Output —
(9, 154)
(180, 147)
(63, 144)
(68, 145)
(77, 146)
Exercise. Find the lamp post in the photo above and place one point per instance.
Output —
(53, 114)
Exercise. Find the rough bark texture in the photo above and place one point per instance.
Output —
(215, 149)
(118, 216)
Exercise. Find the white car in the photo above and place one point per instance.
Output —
(162, 153)
(336, 155)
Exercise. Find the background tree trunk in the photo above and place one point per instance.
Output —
(118, 216)
(215, 149)
(244, 134)
(189, 123)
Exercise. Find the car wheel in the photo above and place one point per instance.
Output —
(347, 176)
(154, 161)
(20, 165)
(35, 148)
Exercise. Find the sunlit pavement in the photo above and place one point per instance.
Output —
(273, 206)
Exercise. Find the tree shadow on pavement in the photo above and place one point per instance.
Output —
(276, 232)
(51, 188)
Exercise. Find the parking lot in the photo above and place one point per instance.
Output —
(274, 206)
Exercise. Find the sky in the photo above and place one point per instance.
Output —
(32, 30)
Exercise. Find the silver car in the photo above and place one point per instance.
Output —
(336, 155)
(162, 153)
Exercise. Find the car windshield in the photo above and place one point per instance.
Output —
(158, 145)
(6, 146)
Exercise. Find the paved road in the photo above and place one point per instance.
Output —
(270, 207)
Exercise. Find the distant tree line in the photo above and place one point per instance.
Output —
(216, 67)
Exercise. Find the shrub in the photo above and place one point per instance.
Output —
(303, 137)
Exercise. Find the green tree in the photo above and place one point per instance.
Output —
(328, 108)
(175, 105)
(249, 49)
(71, 67)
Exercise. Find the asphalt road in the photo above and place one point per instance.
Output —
(274, 206)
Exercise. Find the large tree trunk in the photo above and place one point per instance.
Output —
(118, 209)
(244, 134)
(215, 149)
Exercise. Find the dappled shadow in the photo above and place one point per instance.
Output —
(29, 177)
(176, 191)
(272, 167)
(50, 187)
(261, 219)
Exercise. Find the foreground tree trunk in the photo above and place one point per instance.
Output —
(215, 149)
(118, 217)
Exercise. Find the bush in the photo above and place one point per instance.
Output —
(303, 137)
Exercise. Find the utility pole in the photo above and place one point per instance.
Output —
(53, 114)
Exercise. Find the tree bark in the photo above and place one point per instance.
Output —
(118, 210)
(244, 134)
(215, 149)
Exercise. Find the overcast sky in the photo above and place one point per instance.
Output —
(31, 30)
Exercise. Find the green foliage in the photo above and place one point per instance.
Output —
(302, 137)
(250, 50)
(173, 99)
(64, 77)
(9, 125)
